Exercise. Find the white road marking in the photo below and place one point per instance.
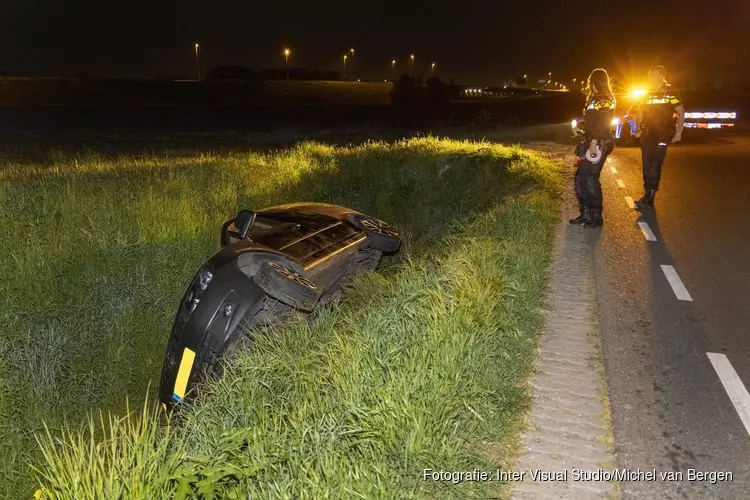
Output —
(647, 233)
(676, 283)
(630, 201)
(613, 169)
(620, 183)
(733, 385)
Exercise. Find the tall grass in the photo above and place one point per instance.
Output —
(96, 253)
(119, 453)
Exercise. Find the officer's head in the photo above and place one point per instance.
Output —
(656, 76)
(599, 82)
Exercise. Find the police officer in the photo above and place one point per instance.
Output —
(655, 126)
(597, 143)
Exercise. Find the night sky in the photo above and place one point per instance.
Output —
(473, 42)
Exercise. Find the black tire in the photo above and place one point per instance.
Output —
(287, 286)
(380, 235)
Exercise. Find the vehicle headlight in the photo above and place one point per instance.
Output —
(615, 121)
(198, 286)
(204, 278)
(574, 123)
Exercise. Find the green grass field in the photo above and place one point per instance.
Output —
(421, 366)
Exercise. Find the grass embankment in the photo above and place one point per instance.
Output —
(71, 92)
(418, 368)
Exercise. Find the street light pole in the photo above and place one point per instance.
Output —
(432, 68)
(286, 63)
(355, 67)
(344, 67)
(393, 67)
(412, 62)
(197, 65)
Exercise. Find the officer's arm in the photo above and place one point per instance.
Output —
(637, 110)
(680, 110)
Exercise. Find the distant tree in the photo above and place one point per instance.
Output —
(230, 73)
(404, 91)
(243, 73)
(454, 91)
(316, 74)
(272, 74)
(300, 74)
(437, 92)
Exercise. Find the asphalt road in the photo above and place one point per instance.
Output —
(670, 408)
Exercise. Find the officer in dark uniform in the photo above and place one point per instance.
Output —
(655, 125)
(597, 141)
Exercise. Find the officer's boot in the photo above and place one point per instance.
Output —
(596, 219)
(582, 216)
(647, 200)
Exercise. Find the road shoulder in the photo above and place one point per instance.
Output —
(569, 425)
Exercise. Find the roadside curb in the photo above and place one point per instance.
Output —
(569, 423)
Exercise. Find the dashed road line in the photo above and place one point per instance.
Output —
(613, 169)
(620, 183)
(630, 201)
(676, 283)
(647, 233)
(733, 385)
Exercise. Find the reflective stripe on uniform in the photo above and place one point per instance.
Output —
(668, 100)
(607, 105)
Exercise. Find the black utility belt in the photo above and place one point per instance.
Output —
(655, 138)
(658, 130)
